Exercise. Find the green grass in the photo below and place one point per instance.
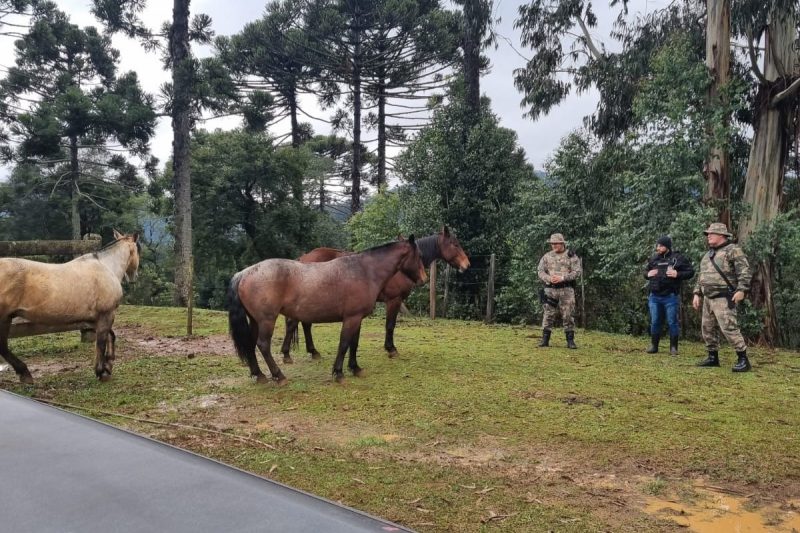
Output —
(465, 405)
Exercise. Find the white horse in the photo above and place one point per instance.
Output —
(86, 289)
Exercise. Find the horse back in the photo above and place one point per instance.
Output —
(45, 293)
(322, 255)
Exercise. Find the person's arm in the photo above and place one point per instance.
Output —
(697, 291)
(742, 267)
(685, 268)
(542, 271)
(575, 270)
(647, 268)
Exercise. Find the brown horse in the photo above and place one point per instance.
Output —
(443, 245)
(86, 289)
(342, 290)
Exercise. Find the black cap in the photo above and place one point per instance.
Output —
(666, 241)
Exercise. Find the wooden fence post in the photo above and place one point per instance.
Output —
(432, 294)
(490, 292)
(446, 290)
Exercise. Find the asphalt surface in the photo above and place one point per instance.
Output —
(61, 472)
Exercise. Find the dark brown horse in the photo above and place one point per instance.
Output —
(342, 290)
(443, 245)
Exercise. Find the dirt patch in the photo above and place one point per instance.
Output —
(141, 339)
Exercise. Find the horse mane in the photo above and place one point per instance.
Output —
(429, 248)
(380, 247)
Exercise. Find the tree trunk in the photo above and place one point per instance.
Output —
(718, 61)
(355, 172)
(293, 116)
(74, 169)
(472, 50)
(381, 134)
(181, 135)
(763, 191)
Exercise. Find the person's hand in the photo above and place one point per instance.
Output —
(696, 302)
(556, 279)
(738, 296)
(652, 273)
(672, 273)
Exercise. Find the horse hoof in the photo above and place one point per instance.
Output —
(288, 360)
(261, 379)
(393, 353)
(105, 377)
(27, 379)
(316, 355)
(359, 373)
(338, 378)
(281, 381)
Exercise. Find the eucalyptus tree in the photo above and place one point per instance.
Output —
(776, 106)
(196, 85)
(63, 98)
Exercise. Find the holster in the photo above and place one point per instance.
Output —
(544, 299)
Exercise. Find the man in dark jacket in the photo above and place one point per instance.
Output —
(665, 271)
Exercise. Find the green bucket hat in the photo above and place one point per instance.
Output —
(556, 238)
(718, 228)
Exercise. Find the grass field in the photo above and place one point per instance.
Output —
(472, 428)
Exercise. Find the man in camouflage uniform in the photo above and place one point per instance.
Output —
(559, 269)
(719, 297)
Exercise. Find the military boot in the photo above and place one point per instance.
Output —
(743, 364)
(711, 360)
(545, 342)
(570, 340)
(654, 340)
(673, 345)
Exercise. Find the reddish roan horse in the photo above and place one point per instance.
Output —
(342, 290)
(443, 245)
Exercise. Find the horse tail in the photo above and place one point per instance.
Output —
(239, 325)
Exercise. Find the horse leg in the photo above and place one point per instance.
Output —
(19, 367)
(102, 368)
(310, 341)
(291, 331)
(252, 362)
(264, 341)
(350, 326)
(352, 362)
(392, 310)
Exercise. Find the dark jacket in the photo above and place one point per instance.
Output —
(660, 284)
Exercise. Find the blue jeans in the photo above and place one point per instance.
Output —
(660, 306)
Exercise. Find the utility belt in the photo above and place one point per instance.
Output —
(723, 293)
(562, 285)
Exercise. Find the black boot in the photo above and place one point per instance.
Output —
(743, 364)
(570, 340)
(654, 339)
(545, 342)
(711, 360)
(673, 345)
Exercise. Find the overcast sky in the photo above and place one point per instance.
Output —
(539, 138)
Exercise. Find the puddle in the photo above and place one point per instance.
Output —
(713, 512)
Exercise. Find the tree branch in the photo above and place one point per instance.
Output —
(595, 52)
(753, 60)
(788, 92)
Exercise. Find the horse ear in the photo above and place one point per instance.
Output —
(136, 237)
(445, 231)
(117, 235)
(411, 239)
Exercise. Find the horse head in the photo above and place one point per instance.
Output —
(451, 250)
(411, 265)
(131, 242)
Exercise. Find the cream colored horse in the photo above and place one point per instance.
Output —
(86, 289)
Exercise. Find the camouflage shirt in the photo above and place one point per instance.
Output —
(733, 262)
(566, 264)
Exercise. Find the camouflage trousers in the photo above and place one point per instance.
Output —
(716, 311)
(566, 304)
